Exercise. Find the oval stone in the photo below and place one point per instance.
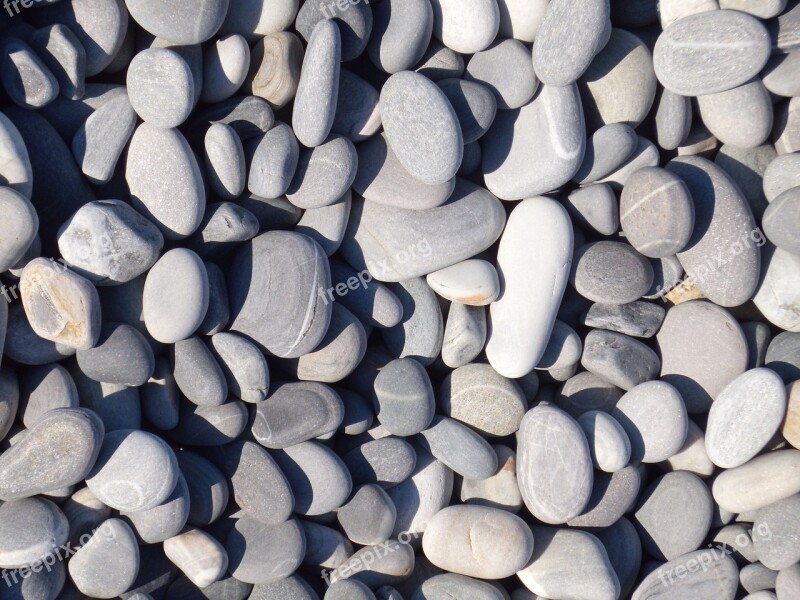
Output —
(225, 66)
(403, 398)
(610, 273)
(466, 27)
(401, 32)
(323, 173)
(710, 52)
(274, 158)
(554, 465)
(160, 87)
(492, 66)
(741, 117)
(184, 22)
(473, 282)
(619, 359)
(762, 481)
(460, 448)
(31, 529)
(386, 461)
(778, 295)
(608, 442)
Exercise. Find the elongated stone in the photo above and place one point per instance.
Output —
(673, 119)
(225, 161)
(401, 32)
(474, 104)
(460, 448)
(297, 412)
(199, 555)
(464, 334)
(18, 228)
(274, 161)
(197, 373)
(275, 64)
(778, 294)
(746, 488)
(639, 319)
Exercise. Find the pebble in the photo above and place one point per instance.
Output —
(259, 553)
(165, 520)
(274, 68)
(225, 161)
(358, 114)
(608, 443)
(685, 577)
(401, 32)
(197, 373)
(291, 588)
(176, 296)
(416, 114)
(18, 229)
(317, 90)
(23, 345)
(275, 156)
(537, 148)
(259, 18)
(638, 319)
(610, 273)
(198, 555)
(473, 282)
(778, 294)
(244, 366)
(397, 244)
(475, 107)
(451, 585)
(122, 355)
(42, 389)
(421, 332)
(382, 179)
(569, 564)
(392, 564)
(135, 471)
(440, 62)
(671, 11)
(786, 127)
(62, 52)
(536, 246)
(207, 486)
(403, 397)
(783, 355)
(118, 406)
(160, 166)
(673, 119)
(324, 174)
(674, 515)
(775, 532)
(464, 334)
(478, 541)
(26, 78)
(619, 359)
(781, 220)
(225, 67)
(224, 223)
(368, 517)
(657, 212)
(619, 86)
(585, 392)
(494, 67)
(108, 564)
(594, 208)
(645, 155)
(760, 482)
(371, 302)
(16, 169)
(734, 416)
(61, 306)
(460, 448)
(580, 28)
(160, 396)
(348, 590)
(555, 477)
(500, 490)
(161, 87)
(109, 243)
(710, 52)
(327, 225)
(777, 75)
(468, 27)
(278, 321)
(606, 150)
(654, 416)
(250, 116)
(747, 166)
(354, 21)
(182, 23)
(563, 349)
(702, 350)
(613, 495)
(741, 117)
(387, 462)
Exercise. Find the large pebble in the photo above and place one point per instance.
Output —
(492, 66)
(466, 27)
(741, 117)
(161, 87)
(323, 173)
(181, 22)
(759, 482)
(619, 359)
(259, 553)
(460, 448)
(106, 565)
(774, 533)
(639, 319)
(225, 66)
(609, 444)
(420, 334)
(122, 355)
(199, 555)
(387, 462)
(710, 52)
(275, 64)
(536, 246)
(554, 465)
(297, 412)
(19, 226)
(274, 161)
(401, 32)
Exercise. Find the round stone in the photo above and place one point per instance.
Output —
(494, 67)
(478, 541)
(225, 66)
(610, 273)
(555, 477)
(368, 517)
(606, 151)
(656, 212)
(782, 219)
(183, 22)
(608, 443)
(161, 87)
(134, 471)
(750, 411)
(259, 553)
(323, 173)
(19, 226)
(468, 27)
(710, 52)
(460, 448)
(122, 355)
(613, 495)
(32, 529)
(421, 127)
(401, 32)
(654, 417)
(176, 296)
(586, 392)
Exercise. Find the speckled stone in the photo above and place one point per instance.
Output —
(619, 359)
(613, 495)
(182, 22)
(759, 482)
(107, 565)
(607, 150)
(464, 334)
(719, 578)
(225, 66)
(259, 553)
(639, 319)
(403, 397)
(774, 532)
(610, 273)
(741, 117)
(466, 28)
(161, 87)
(386, 461)
(474, 104)
(460, 448)
(225, 163)
(26, 78)
(783, 355)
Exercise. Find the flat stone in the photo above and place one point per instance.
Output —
(674, 515)
(122, 355)
(134, 471)
(161, 87)
(466, 28)
(555, 477)
(720, 578)
(358, 115)
(259, 553)
(275, 64)
(777, 75)
(638, 319)
(474, 104)
(275, 156)
(176, 296)
(420, 334)
(619, 86)
(225, 67)
(778, 294)
(165, 180)
(401, 32)
(197, 373)
(607, 150)
(26, 78)
(577, 27)
(368, 517)
(657, 212)
(781, 219)
(613, 495)
(165, 520)
(745, 488)
(182, 23)
(323, 173)
(774, 530)
(548, 140)
(494, 67)
(318, 88)
(673, 119)
(585, 392)
(464, 334)
(16, 170)
(207, 487)
(387, 462)
(262, 310)
(18, 229)
(536, 246)
(571, 564)
(391, 567)
(478, 541)
(225, 161)
(460, 448)
(318, 478)
(741, 116)
(416, 114)
(381, 178)
(702, 350)
(594, 208)
(61, 306)
(440, 62)
(654, 417)
(610, 273)
(733, 416)
(608, 442)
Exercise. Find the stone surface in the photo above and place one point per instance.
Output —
(747, 166)
(107, 565)
(420, 333)
(786, 128)
(327, 225)
(460, 448)
(606, 150)
(778, 295)
(474, 104)
(774, 532)
(781, 220)
(783, 356)
(464, 334)
(451, 585)
(323, 173)
(687, 64)
(275, 64)
(609, 444)
(465, 27)
(16, 170)
(493, 68)
(165, 520)
(719, 579)
(387, 462)
(274, 161)
(225, 66)
(26, 78)
(741, 117)
(746, 488)
(161, 87)
(594, 208)
(639, 319)
(777, 75)
(259, 553)
(403, 398)
(673, 119)
(199, 555)
(358, 114)
(401, 32)
(498, 491)
(619, 359)
(368, 517)
(585, 392)
(122, 355)
(613, 495)
(42, 389)
(20, 223)
(102, 138)
(473, 282)
(440, 62)
(197, 373)
(225, 161)
(610, 273)
(181, 23)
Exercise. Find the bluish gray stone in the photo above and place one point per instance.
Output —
(460, 448)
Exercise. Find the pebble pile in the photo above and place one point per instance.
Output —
(400, 299)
